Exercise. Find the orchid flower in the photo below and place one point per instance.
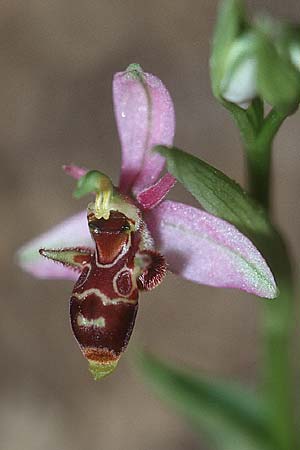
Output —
(132, 234)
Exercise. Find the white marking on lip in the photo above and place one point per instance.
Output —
(105, 300)
(115, 286)
(86, 276)
(84, 322)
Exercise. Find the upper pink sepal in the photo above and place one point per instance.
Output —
(208, 250)
(74, 171)
(153, 195)
(73, 232)
(145, 117)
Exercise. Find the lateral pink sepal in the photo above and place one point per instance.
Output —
(208, 250)
(49, 270)
(73, 232)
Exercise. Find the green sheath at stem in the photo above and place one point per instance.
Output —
(259, 158)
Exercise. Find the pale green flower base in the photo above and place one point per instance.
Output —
(99, 370)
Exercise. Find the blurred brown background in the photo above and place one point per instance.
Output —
(57, 61)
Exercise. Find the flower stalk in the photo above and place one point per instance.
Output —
(257, 136)
(277, 320)
(259, 67)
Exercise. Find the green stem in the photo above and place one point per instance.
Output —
(278, 324)
(278, 314)
(259, 154)
(259, 173)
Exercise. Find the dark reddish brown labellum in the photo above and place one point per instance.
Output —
(104, 301)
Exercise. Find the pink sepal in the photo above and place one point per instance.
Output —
(145, 117)
(49, 270)
(153, 195)
(73, 232)
(208, 250)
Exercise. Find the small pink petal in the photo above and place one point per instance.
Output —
(145, 117)
(73, 232)
(153, 195)
(208, 250)
(74, 171)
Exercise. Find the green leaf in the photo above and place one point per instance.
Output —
(231, 415)
(230, 22)
(217, 193)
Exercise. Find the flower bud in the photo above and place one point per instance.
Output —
(295, 54)
(239, 84)
(255, 60)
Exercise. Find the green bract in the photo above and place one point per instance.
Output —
(217, 193)
(230, 23)
(278, 80)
